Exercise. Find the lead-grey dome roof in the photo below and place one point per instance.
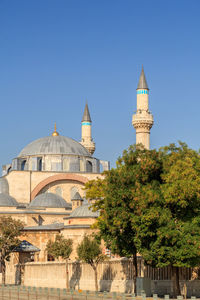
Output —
(84, 211)
(49, 200)
(54, 145)
(6, 200)
(4, 187)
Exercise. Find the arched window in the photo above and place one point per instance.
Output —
(89, 166)
(40, 164)
(23, 165)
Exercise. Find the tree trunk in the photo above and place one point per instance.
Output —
(135, 272)
(95, 278)
(175, 278)
(3, 269)
(67, 275)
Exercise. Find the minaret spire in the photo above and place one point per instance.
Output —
(86, 115)
(86, 137)
(142, 84)
(143, 119)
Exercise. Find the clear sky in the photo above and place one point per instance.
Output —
(55, 54)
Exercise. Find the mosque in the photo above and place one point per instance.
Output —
(43, 185)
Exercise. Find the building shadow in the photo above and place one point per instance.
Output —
(74, 282)
(107, 278)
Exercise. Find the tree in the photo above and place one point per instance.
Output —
(175, 240)
(117, 202)
(61, 247)
(151, 204)
(89, 251)
(10, 230)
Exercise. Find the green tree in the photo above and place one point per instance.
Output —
(117, 201)
(89, 251)
(175, 221)
(151, 204)
(61, 247)
(10, 230)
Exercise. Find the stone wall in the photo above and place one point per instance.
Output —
(113, 276)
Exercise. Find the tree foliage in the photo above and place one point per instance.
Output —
(61, 247)
(89, 251)
(10, 230)
(151, 204)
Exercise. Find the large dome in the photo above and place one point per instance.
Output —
(54, 145)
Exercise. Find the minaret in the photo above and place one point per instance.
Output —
(143, 119)
(86, 137)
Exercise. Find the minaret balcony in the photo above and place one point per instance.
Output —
(142, 118)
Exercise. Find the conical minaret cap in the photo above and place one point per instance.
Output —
(142, 84)
(86, 115)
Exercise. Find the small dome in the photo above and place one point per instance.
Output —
(84, 211)
(6, 200)
(54, 145)
(4, 187)
(77, 196)
(49, 200)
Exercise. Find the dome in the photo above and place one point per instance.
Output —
(4, 187)
(6, 200)
(49, 200)
(84, 211)
(54, 145)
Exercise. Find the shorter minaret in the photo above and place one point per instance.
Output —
(86, 136)
(143, 119)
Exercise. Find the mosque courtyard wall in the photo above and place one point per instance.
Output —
(113, 276)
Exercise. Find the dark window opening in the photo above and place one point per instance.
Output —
(23, 165)
(89, 167)
(40, 165)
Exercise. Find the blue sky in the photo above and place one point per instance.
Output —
(56, 54)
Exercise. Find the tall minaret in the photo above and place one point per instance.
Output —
(143, 119)
(86, 137)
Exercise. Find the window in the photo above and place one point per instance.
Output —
(89, 166)
(40, 164)
(23, 165)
